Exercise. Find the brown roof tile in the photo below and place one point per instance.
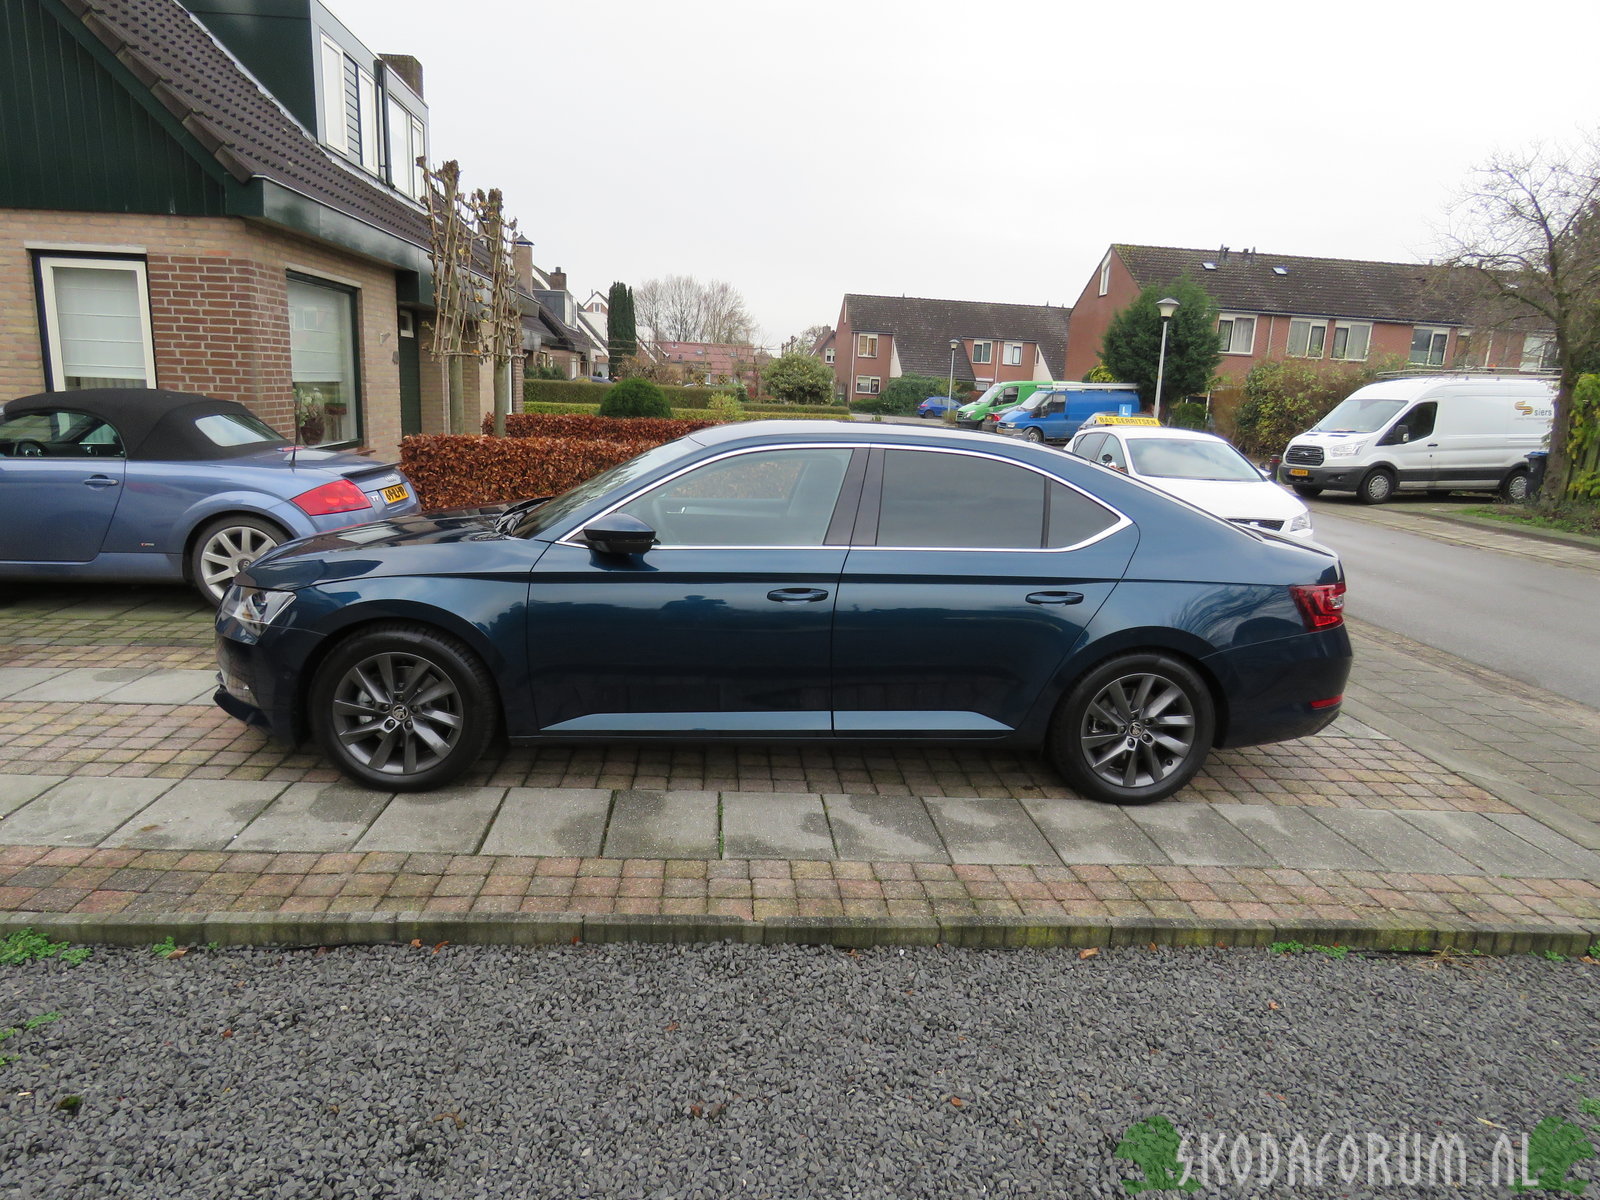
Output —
(923, 328)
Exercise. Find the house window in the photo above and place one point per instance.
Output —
(1307, 338)
(828, 355)
(866, 345)
(868, 385)
(1427, 346)
(982, 352)
(1236, 334)
(1105, 274)
(1538, 353)
(408, 141)
(350, 106)
(96, 323)
(1350, 341)
(322, 362)
(1013, 354)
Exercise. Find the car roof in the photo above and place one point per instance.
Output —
(153, 423)
(1153, 431)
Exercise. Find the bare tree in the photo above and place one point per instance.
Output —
(1526, 236)
(500, 325)
(806, 341)
(679, 308)
(455, 286)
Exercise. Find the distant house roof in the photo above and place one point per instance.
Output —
(1258, 281)
(712, 359)
(248, 132)
(923, 328)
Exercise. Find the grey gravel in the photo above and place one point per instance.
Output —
(719, 1071)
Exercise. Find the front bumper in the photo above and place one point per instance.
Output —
(1338, 476)
(262, 688)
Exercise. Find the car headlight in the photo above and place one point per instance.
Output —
(1303, 521)
(1345, 449)
(252, 609)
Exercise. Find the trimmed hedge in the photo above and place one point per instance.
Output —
(462, 471)
(654, 430)
(801, 410)
(752, 412)
(583, 391)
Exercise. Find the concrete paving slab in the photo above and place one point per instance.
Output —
(562, 822)
(1556, 839)
(670, 824)
(1295, 837)
(1195, 835)
(165, 687)
(81, 811)
(790, 825)
(80, 685)
(1083, 831)
(17, 790)
(20, 679)
(323, 817)
(198, 814)
(1488, 846)
(448, 821)
(1347, 726)
(990, 831)
(872, 828)
(1396, 845)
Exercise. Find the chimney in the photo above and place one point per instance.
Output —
(522, 262)
(558, 280)
(408, 68)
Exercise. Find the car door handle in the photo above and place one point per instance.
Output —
(1433, 445)
(99, 481)
(797, 595)
(1054, 597)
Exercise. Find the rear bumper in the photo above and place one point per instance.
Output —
(1270, 688)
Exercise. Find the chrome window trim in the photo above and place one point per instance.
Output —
(1122, 522)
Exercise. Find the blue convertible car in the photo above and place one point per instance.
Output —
(148, 484)
(776, 581)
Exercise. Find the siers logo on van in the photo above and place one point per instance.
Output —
(1527, 410)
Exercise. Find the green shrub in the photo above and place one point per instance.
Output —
(635, 398)
(1286, 396)
(727, 406)
(1187, 414)
(901, 397)
(584, 391)
(838, 411)
(536, 406)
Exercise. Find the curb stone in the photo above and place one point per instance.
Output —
(974, 932)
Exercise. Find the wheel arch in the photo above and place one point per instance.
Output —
(1186, 648)
(205, 520)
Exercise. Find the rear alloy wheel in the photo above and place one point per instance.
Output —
(1032, 434)
(1377, 487)
(1134, 730)
(1515, 488)
(403, 708)
(225, 547)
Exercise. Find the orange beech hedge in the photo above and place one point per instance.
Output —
(462, 471)
(654, 430)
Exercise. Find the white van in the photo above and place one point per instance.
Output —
(1435, 434)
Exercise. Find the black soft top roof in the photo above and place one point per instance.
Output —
(154, 423)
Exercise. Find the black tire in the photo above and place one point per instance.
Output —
(225, 546)
(1307, 489)
(403, 708)
(1113, 750)
(1376, 487)
(1514, 488)
(1033, 434)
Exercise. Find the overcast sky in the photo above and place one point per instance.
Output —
(986, 151)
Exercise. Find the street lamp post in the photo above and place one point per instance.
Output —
(1166, 307)
(950, 385)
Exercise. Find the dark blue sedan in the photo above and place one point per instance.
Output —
(773, 582)
(149, 484)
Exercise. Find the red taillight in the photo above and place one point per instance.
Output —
(1330, 702)
(1321, 604)
(340, 496)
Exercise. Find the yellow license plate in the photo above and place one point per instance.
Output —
(395, 494)
(1292, 471)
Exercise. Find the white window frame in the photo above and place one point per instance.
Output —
(868, 385)
(863, 340)
(1316, 329)
(367, 106)
(1231, 320)
(1105, 273)
(830, 356)
(1433, 332)
(1542, 348)
(1013, 354)
(333, 122)
(982, 352)
(1348, 328)
(47, 284)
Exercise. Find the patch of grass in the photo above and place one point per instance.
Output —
(1594, 950)
(1554, 956)
(1571, 518)
(165, 948)
(1302, 948)
(25, 946)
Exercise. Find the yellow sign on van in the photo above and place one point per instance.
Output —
(1106, 418)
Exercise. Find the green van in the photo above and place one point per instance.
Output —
(999, 397)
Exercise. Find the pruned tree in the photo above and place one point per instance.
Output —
(680, 308)
(622, 330)
(500, 321)
(455, 287)
(1525, 239)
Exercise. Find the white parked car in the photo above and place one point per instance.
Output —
(1201, 468)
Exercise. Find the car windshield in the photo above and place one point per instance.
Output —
(536, 520)
(1181, 458)
(1359, 415)
(1033, 401)
(236, 429)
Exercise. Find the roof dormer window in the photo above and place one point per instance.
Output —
(349, 107)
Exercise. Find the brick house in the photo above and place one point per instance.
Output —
(219, 198)
(1284, 306)
(713, 363)
(879, 338)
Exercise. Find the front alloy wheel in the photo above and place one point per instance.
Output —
(403, 708)
(1134, 730)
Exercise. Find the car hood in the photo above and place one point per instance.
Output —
(431, 543)
(1235, 500)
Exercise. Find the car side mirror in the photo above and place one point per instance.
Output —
(619, 534)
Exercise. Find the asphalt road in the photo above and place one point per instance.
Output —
(1526, 619)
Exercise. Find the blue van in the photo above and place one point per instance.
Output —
(1054, 415)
